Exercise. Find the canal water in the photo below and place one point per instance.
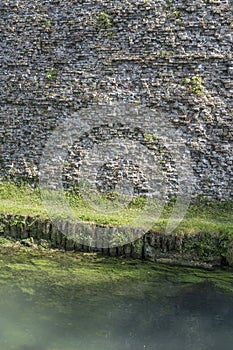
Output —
(60, 302)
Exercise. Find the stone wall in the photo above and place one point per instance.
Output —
(200, 250)
(173, 56)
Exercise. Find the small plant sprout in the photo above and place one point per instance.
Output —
(176, 13)
(195, 84)
(52, 74)
(48, 24)
(103, 21)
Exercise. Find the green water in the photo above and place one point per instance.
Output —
(54, 301)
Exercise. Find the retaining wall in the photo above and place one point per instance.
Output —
(203, 250)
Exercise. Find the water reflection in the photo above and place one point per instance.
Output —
(195, 317)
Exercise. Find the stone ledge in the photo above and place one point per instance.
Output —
(196, 251)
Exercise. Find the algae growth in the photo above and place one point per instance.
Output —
(51, 300)
(58, 269)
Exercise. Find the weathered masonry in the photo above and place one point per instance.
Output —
(173, 56)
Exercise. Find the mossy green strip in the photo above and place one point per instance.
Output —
(202, 216)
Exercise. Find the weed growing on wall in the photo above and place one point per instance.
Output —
(103, 20)
(176, 13)
(51, 74)
(195, 84)
(104, 23)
